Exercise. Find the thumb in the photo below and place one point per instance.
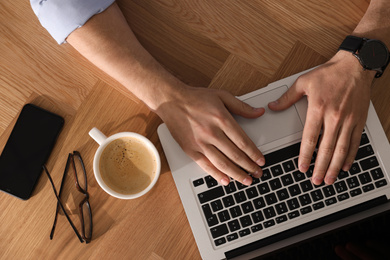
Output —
(290, 97)
(238, 107)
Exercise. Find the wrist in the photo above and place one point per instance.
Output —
(351, 64)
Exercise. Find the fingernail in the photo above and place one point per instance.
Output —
(247, 181)
(303, 167)
(225, 181)
(346, 167)
(257, 174)
(330, 180)
(274, 103)
(317, 180)
(260, 162)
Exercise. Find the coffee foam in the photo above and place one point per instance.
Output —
(127, 166)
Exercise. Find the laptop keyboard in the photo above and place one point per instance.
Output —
(283, 193)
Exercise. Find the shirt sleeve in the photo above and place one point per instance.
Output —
(61, 17)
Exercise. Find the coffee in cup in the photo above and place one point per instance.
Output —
(126, 165)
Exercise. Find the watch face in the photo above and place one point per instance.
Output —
(374, 55)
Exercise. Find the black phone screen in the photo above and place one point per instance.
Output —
(27, 149)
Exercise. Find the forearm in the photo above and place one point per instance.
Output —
(109, 43)
(375, 23)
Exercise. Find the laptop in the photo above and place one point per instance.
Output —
(283, 207)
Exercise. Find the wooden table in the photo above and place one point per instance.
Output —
(239, 46)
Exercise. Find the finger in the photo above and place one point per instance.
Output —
(240, 139)
(226, 166)
(339, 155)
(325, 154)
(290, 97)
(236, 155)
(354, 146)
(238, 107)
(311, 132)
(210, 169)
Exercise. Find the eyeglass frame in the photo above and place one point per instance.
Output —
(83, 237)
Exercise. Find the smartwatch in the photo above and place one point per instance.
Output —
(372, 54)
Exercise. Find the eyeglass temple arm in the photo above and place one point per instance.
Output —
(62, 206)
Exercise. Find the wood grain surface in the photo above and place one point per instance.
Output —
(238, 46)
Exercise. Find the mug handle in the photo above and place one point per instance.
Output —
(98, 136)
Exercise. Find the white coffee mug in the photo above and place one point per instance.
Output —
(103, 141)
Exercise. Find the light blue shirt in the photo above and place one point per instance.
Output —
(61, 17)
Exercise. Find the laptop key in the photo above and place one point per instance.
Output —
(240, 196)
(223, 216)
(266, 175)
(245, 221)
(210, 217)
(377, 174)
(380, 183)
(304, 199)
(220, 241)
(364, 151)
(318, 205)
(269, 212)
(230, 188)
(365, 178)
(355, 192)
(210, 181)
(354, 169)
(293, 204)
(257, 216)
(353, 182)
(281, 219)
(287, 179)
(256, 228)
(343, 196)
(234, 225)
(259, 203)
(340, 186)
(294, 190)
(330, 201)
(306, 210)
(219, 231)
(271, 199)
(288, 166)
(235, 211)
(269, 223)
(216, 205)
(247, 207)
(228, 201)
(232, 237)
(329, 191)
(252, 192)
(293, 214)
(210, 195)
(282, 194)
(369, 163)
(263, 188)
(306, 186)
(198, 182)
(298, 176)
(244, 232)
(368, 187)
(276, 170)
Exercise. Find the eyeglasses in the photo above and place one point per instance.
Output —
(85, 212)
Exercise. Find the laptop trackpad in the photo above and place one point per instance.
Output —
(272, 125)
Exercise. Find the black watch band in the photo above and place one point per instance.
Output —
(351, 43)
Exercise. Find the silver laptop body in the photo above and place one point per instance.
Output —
(216, 234)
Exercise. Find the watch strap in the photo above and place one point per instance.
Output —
(351, 43)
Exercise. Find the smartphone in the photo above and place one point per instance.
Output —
(27, 149)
